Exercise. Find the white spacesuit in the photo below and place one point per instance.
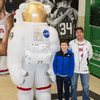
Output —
(31, 48)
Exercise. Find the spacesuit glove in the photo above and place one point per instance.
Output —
(52, 78)
(49, 71)
(51, 75)
(47, 74)
(18, 75)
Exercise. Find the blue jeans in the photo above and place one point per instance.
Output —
(67, 82)
(85, 86)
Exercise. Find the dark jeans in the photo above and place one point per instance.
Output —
(67, 81)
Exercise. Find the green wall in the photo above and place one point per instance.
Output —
(92, 34)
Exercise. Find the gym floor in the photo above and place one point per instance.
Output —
(8, 90)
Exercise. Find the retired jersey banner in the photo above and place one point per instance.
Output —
(67, 11)
(12, 5)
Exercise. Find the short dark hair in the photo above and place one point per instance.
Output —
(79, 28)
(64, 41)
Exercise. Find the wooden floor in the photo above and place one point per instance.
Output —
(8, 90)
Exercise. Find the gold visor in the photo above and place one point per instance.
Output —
(35, 13)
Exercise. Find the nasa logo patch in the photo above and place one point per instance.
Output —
(46, 33)
(11, 35)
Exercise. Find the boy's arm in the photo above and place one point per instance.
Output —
(3, 44)
(55, 64)
(72, 66)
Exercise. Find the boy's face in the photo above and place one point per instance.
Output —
(64, 47)
(79, 34)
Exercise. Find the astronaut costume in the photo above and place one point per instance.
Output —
(32, 45)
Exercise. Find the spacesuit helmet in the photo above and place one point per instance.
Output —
(34, 12)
